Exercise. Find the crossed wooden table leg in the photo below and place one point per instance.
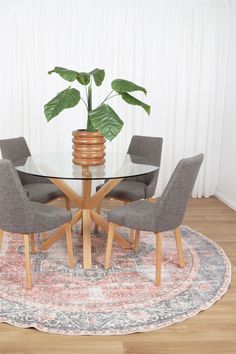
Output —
(86, 213)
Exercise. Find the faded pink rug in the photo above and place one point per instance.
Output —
(119, 301)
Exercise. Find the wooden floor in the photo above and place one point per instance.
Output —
(211, 331)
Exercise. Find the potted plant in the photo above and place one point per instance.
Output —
(102, 121)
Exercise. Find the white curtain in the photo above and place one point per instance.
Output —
(177, 49)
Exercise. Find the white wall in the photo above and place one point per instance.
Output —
(226, 188)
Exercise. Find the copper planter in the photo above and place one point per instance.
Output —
(88, 148)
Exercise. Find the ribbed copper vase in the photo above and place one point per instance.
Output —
(88, 148)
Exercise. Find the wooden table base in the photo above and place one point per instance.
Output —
(85, 213)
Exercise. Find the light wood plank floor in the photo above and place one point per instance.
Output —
(212, 331)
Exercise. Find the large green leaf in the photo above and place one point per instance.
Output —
(71, 75)
(122, 86)
(64, 99)
(83, 78)
(66, 74)
(132, 100)
(105, 119)
(98, 76)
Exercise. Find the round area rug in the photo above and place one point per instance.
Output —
(122, 300)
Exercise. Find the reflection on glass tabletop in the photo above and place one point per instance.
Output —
(60, 165)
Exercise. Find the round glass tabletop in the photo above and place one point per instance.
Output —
(60, 165)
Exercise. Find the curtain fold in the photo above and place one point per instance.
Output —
(177, 49)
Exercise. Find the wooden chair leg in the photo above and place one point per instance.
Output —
(68, 203)
(158, 258)
(27, 261)
(69, 245)
(33, 250)
(131, 236)
(179, 247)
(1, 238)
(82, 227)
(136, 241)
(99, 207)
(111, 230)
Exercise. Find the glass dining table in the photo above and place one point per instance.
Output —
(58, 167)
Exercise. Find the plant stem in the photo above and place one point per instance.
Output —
(106, 98)
(86, 92)
(90, 127)
(84, 102)
(90, 96)
(110, 97)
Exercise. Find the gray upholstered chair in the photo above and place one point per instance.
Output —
(140, 187)
(37, 189)
(166, 214)
(19, 215)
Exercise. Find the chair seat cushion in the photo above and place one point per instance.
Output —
(127, 190)
(139, 215)
(48, 217)
(42, 192)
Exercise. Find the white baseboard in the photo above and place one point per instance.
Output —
(226, 200)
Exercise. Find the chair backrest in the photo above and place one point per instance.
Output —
(16, 149)
(174, 199)
(150, 148)
(15, 209)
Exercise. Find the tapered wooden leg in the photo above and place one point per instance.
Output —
(27, 261)
(99, 207)
(86, 239)
(33, 250)
(111, 230)
(136, 241)
(131, 236)
(158, 258)
(179, 247)
(86, 218)
(68, 203)
(1, 238)
(81, 227)
(69, 245)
